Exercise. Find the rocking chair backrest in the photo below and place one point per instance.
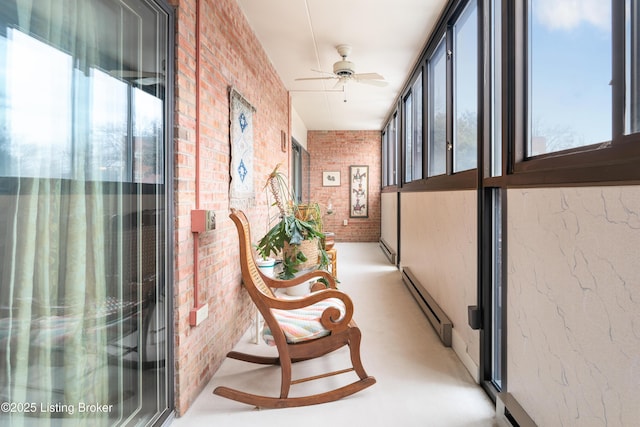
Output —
(247, 261)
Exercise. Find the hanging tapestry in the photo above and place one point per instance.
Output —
(241, 190)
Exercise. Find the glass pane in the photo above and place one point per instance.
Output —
(496, 92)
(496, 291)
(408, 139)
(389, 153)
(393, 155)
(569, 75)
(109, 121)
(416, 128)
(37, 135)
(465, 141)
(632, 58)
(147, 137)
(300, 166)
(83, 313)
(438, 111)
(385, 156)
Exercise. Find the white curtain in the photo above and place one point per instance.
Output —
(53, 289)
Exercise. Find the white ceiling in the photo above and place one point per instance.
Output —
(386, 36)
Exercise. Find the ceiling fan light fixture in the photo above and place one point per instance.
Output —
(344, 68)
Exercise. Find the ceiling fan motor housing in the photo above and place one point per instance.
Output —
(344, 68)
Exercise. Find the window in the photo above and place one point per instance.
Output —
(393, 150)
(416, 129)
(53, 149)
(632, 69)
(569, 75)
(408, 137)
(574, 92)
(385, 155)
(389, 153)
(495, 24)
(439, 108)
(437, 118)
(496, 239)
(300, 161)
(465, 57)
(43, 150)
(412, 113)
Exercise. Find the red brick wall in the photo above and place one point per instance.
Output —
(336, 151)
(230, 56)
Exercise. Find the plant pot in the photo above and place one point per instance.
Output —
(299, 290)
(329, 240)
(310, 250)
(266, 266)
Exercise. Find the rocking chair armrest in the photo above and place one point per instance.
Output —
(331, 317)
(277, 283)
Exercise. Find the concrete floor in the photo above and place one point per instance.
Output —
(419, 382)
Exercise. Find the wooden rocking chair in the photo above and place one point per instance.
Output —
(335, 328)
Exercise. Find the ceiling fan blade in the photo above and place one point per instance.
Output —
(322, 72)
(368, 76)
(317, 78)
(380, 83)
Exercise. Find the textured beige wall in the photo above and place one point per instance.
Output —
(438, 237)
(574, 305)
(388, 220)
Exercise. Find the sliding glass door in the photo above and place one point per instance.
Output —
(84, 181)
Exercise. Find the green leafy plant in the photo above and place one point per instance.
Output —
(294, 224)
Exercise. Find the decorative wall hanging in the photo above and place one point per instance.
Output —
(241, 189)
(331, 179)
(359, 186)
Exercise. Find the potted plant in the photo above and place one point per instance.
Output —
(296, 232)
(266, 264)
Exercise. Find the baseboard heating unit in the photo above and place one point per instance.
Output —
(509, 413)
(434, 313)
(388, 252)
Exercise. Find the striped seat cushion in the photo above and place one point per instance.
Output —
(302, 324)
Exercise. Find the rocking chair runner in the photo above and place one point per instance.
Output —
(331, 329)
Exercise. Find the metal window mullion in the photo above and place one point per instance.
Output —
(635, 66)
(450, 55)
(618, 69)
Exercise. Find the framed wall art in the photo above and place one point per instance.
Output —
(331, 179)
(359, 191)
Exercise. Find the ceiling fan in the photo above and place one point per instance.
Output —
(344, 71)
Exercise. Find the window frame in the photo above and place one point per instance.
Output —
(606, 163)
(452, 75)
(441, 43)
(407, 137)
(463, 180)
(390, 153)
(410, 124)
